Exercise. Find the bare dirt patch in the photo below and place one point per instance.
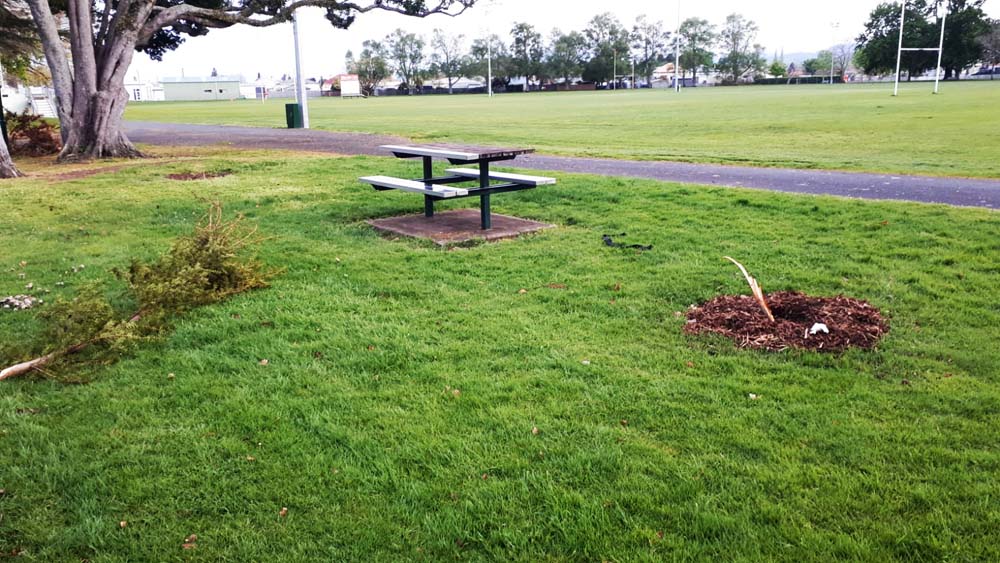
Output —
(187, 176)
(83, 173)
(850, 322)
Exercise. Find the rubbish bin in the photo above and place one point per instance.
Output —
(293, 116)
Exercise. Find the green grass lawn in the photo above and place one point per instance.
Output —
(394, 417)
(852, 127)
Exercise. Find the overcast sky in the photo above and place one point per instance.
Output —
(789, 25)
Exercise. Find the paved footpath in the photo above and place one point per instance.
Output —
(928, 189)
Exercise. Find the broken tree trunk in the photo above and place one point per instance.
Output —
(758, 293)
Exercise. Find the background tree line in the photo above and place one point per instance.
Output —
(604, 51)
(607, 47)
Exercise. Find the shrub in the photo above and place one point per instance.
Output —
(32, 135)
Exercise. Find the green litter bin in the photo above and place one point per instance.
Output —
(293, 116)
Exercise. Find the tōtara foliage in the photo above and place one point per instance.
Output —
(214, 262)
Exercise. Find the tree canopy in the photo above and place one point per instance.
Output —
(740, 53)
(527, 52)
(405, 52)
(608, 42)
(567, 55)
(651, 46)
(371, 66)
(446, 57)
(697, 37)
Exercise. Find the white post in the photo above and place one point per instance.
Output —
(633, 74)
(300, 81)
(489, 64)
(944, 18)
(899, 51)
(832, 47)
(677, 49)
(614, 69)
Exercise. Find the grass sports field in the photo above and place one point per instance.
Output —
(852, 127)
(394, 416)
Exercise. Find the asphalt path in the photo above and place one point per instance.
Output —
(926, 189)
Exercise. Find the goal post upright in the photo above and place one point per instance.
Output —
(937, 71)
(899, 51)
(941, 5)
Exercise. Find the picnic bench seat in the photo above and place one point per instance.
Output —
(524, 179)
(432, 190)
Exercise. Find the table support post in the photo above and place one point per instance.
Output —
(484, 200)
(428, 200)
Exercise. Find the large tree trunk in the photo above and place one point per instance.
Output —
(7, 168)
(96, 131)
(93, 127)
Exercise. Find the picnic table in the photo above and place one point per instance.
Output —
(437, 188)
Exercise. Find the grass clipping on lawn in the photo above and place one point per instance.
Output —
(213, 263)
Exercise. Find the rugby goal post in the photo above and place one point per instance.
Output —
(942, 10)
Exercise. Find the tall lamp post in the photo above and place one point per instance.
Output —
(489, 64)
(835, 26)
(300, 81)
(677, 49)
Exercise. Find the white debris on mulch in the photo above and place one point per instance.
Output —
(19, 302)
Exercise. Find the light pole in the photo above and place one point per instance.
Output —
(300, 81)
(677, 49)
(489, 49)
(614, 69)
(835, 26)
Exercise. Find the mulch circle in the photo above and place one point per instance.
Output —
(197, 175)
(851, 322)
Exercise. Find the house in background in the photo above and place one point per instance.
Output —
(143, 90)
(201, 88)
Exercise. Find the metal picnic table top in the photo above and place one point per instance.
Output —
(457, 153)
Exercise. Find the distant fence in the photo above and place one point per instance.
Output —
(290, 93)
(799, 80)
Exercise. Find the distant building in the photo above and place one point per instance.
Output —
(143, 90)
(201, 88)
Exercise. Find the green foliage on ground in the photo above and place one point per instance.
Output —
(394, 417)
(846, 127)
(210, 264)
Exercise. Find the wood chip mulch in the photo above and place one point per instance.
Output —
(851, 322)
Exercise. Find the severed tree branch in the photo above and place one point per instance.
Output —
(42, 361)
